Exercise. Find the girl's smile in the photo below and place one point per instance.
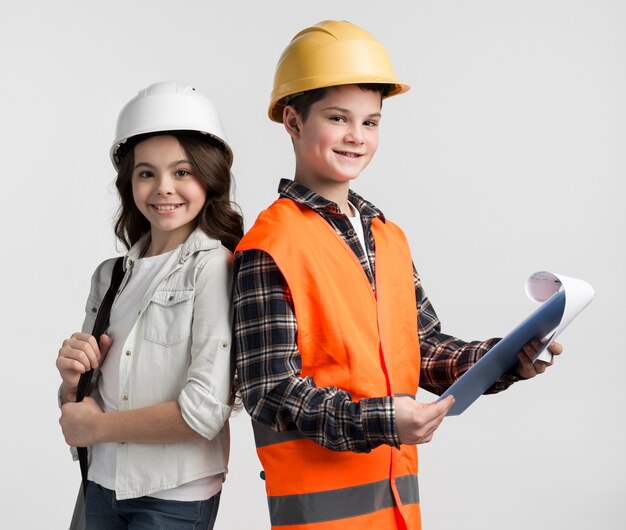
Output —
(166, 209)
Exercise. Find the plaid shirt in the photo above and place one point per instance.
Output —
(269, 362)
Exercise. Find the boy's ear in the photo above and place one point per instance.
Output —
(291, 121)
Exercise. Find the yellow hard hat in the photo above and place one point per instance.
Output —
(328, 54)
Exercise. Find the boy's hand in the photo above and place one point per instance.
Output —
(79, 421)
(526, 369)
(416, 422)
(79, 354)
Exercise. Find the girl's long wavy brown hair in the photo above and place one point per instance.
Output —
(220, 217)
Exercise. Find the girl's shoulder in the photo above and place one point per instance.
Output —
(216, 256)
(101, 277)
(100, 282)
(203, 250)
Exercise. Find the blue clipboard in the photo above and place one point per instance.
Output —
(503, 355)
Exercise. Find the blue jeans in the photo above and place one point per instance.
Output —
(104, 512)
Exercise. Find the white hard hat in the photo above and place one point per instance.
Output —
(168, 106)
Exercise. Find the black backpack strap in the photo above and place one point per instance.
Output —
(100, 326)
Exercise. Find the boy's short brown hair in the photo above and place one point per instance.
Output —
(303, 101)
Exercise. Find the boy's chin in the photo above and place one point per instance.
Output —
(344, 178)
(340, 181)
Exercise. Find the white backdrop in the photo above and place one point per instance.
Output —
(506, 157)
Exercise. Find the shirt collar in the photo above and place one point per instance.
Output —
(197, 241)
(297, 192)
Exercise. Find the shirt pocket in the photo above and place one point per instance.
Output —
(168, 317)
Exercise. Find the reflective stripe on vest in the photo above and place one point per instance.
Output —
(349, 337)
(342, 503)
(264, 436)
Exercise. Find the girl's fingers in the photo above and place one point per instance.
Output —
(81, 350)
(67, 364)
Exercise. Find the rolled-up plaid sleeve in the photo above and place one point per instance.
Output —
(269, 367)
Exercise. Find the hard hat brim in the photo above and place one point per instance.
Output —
(277, 105)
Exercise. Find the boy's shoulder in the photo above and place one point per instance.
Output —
(286, 223)
(280, 217)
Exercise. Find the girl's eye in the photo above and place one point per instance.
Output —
(146, 174)
(182, 172)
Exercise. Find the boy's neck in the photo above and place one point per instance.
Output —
(336, 192)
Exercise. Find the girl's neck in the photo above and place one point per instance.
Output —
(162, 242)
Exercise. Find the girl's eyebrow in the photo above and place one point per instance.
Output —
(173, 164)
(346, 111)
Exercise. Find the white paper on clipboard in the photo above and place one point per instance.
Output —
(562, 297)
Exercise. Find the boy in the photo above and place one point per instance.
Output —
(330, 316)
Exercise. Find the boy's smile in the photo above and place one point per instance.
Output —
(338, 138)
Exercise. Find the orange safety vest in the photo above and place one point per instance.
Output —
(352, 338)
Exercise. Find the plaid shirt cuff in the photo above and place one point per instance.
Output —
(379, 422)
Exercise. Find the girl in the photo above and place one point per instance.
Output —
(157, 422)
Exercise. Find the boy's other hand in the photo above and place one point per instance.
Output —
(526, 369)
(417, 422)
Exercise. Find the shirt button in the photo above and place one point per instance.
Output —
(94, 309)
(125, 397)
(351, 232)
(128, 354)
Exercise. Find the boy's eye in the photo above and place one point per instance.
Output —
(370, 123)
(339, 119)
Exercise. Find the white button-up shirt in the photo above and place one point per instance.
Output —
(180, 350)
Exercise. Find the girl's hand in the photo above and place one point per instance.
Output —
(79, 354)
(79, 422)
